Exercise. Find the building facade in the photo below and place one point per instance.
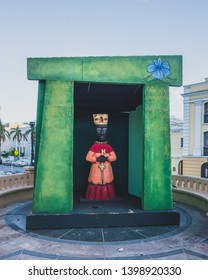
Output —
(190, 158)
(176, 125)
(25, 145)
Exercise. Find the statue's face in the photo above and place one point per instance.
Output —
(101, 133)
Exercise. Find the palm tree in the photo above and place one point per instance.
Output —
(3, 135)
(32, 132)
(18, 135)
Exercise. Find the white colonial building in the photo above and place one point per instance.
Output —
(176, 125)
(190, 139)
(25, 146)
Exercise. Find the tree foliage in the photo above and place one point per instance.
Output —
(4, 134)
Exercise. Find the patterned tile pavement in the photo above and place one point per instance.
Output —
(187, 241)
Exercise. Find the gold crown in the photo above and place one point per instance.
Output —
(100, 119)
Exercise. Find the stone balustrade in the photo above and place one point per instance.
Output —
(189, 190)
(190, 183)
(17, 180)
(13, 181)
(16, 187)
(26, 179)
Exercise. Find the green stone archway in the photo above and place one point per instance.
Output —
(148, 164)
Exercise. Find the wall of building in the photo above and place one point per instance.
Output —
(197, 87)
(176, 149)
(192, 128)
(195, 96)
(192, 166)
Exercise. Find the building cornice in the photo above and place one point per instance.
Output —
(196, 84)
(196, 101)
(195, 93)
(177, 129)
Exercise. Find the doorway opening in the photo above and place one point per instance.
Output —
(123, 104)
(180, 167)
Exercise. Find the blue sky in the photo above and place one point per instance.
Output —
(61, 28)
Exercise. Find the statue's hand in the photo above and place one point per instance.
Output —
(102, 159)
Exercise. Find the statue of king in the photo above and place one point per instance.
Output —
(101, 154)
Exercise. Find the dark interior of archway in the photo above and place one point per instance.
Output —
(116, 100)
(106, 97)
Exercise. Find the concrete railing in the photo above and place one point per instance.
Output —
(16, 187)
(190, 183)
(13, 181)
(191, 190)
(17, 180)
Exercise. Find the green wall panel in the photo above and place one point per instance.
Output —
(131, 69)
(135, 158)
(41, 96)
(157, 170)
(55, 68)
(39, 118)
(145, 167)
(54, 169)
(117, 69)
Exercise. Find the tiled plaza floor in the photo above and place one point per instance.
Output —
(187, 241)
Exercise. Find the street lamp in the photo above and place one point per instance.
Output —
(32, 125)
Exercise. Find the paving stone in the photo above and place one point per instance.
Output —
(186, 241)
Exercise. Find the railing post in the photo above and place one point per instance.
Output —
(192, 183)
(29, 170)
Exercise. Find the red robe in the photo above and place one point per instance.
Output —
(100, 180)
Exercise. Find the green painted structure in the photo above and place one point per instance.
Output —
(134, 91)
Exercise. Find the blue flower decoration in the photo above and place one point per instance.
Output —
(159, 69)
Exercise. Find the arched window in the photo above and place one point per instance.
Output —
(205, 143)
(206, 112)
(204, 170)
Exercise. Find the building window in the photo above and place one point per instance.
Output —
(205, 143)
(181, 142)
(206, 112)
